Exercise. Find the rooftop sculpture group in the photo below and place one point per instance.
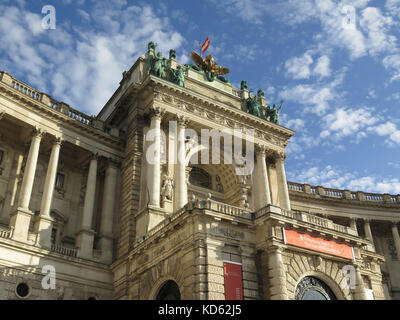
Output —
(157, 65)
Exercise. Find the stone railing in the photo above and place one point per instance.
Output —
(50, 102)
(343, 194)
(6, 234)
(23, 88)
(225, 209)
(64, 251)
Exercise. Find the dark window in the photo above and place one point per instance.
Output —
(199, 177)
(53, 236)
(22, 290)
(60, 181)
(1, 155)
(169, 291)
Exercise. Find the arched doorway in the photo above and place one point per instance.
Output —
(311, 288)
(169, 291)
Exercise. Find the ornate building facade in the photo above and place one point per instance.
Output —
(79, 197)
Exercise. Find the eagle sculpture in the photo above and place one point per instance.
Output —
(208, 65)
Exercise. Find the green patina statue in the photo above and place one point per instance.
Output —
(243, 85)
(253, 106)
(260, 93)
(172, 54)
(193, 66)
(274, 113)
(156, 64)
(178, 76)
(151, 46)
(223, 79)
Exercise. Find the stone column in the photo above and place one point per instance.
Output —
(153, 158)
(368, 233)
(276, 275)
(181, 197)
(20, 219)
(262, 173)
(396, 238)
(85, 236)
(282, 183)
(107, 215)
(353, 224)
(43, 224)
(359, 293)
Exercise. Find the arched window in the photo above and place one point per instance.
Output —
(311, 288)
(201, 178)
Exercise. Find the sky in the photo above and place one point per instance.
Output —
(336, 65)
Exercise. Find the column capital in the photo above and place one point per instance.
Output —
(94, 156)
(395, 224)
(111, 162)
(281, 155)
(58, 141)
(261, 149)
(182, 121)
(156, 112)
(38, 132)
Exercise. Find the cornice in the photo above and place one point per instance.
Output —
(228, 113)
(58, 117)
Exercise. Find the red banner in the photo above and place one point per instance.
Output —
(317, 244)
(233, 281)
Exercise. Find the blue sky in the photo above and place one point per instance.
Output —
(340, 82)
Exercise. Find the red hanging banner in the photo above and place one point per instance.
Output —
(317, 244)
(233, 281)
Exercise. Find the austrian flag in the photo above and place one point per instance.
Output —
(205, 45)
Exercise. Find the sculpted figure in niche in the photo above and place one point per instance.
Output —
(167, 187)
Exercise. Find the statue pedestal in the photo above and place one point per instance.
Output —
(20, 221)
(43, 227)
(85, 240)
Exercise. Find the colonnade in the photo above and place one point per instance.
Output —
(21, 218)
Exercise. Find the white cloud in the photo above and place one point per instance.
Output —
(392, 63)
(299, 68)
(315, 98)
(331, 177)
(348, 122)
(323, 68)
(82, 67)
(388, 129)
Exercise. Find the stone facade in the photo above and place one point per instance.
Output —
(79, 194)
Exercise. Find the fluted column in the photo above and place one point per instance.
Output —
(20, 219)
(153, 157)
(263, 179)
(368, 233)
(181, 197)
(43, 224)
(107, 215)
(85, 236)
(282, 183)
(396, 238)
(276, 275)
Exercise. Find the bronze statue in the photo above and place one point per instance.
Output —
(156, 64)
(208, 65)
(178, 76)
